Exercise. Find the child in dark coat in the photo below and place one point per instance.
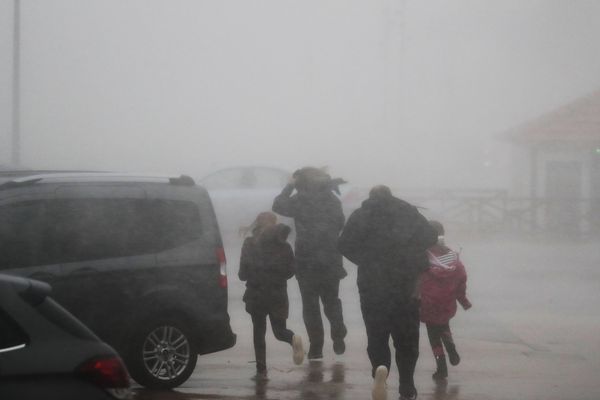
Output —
(442, 285)
(266, 263)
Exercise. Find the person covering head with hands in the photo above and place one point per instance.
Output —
(317, 212)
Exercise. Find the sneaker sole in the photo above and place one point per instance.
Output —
(379, 391)
(298, 349)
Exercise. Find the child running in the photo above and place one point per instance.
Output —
(266, 263)
(442, 284)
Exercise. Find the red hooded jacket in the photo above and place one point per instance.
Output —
(442, 285)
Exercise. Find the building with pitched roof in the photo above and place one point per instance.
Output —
(556, 163)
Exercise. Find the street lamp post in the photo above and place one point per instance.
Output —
(16, 99)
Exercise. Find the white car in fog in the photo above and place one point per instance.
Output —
(240, 193)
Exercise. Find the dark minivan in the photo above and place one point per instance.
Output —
(138, 259)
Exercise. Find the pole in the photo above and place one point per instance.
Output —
(393, 58)
(16, 100)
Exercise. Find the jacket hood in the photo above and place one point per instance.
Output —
(277, 233)
(442, 264)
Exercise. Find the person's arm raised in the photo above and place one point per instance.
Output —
(284, 202)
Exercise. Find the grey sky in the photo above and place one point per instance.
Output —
(409, 93)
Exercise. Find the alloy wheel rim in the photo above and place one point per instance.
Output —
(166, 353)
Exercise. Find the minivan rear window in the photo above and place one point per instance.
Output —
(69, 230)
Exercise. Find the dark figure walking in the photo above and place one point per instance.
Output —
(266, 263)
(318, 218)
(387, 239)
(442, 285)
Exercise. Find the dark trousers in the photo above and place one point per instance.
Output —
(440, 336)
(385, 317)
(259, 323)
(313, 289)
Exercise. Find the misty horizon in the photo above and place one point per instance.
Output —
(406, 93)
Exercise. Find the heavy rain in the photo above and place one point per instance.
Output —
(115, 116)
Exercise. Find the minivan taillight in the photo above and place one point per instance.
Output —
(108, 373)
(222, 267)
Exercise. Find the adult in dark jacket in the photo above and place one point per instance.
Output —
(266, 263)
(318, 218)
(387, 239)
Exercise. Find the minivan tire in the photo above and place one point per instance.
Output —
(162, 355)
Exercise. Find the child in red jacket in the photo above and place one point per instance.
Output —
(442, 285)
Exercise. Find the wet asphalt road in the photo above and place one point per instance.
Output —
(533, 333)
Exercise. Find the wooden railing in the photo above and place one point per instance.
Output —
(488, 212)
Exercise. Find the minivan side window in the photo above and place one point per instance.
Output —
(70, 230)
(94, 229)
(175, 223)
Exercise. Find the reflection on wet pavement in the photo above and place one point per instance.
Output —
(260, 389)
(318, 382)
(148, 394)
(315, 387)
(444, 391)
(513, 345)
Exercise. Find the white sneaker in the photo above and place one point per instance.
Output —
(298, 349)
(379, 391)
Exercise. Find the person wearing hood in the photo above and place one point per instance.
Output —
(442, 285)
(318, 218)
(266, 263)
(387, 239)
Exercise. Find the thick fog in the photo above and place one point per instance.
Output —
(373, 89)
(418, 95)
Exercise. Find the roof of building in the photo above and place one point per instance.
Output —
(578, 121)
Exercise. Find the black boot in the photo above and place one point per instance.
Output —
(453, 356)
(315, 352)
(442, 368)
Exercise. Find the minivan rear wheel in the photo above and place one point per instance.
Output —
(163, 356)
